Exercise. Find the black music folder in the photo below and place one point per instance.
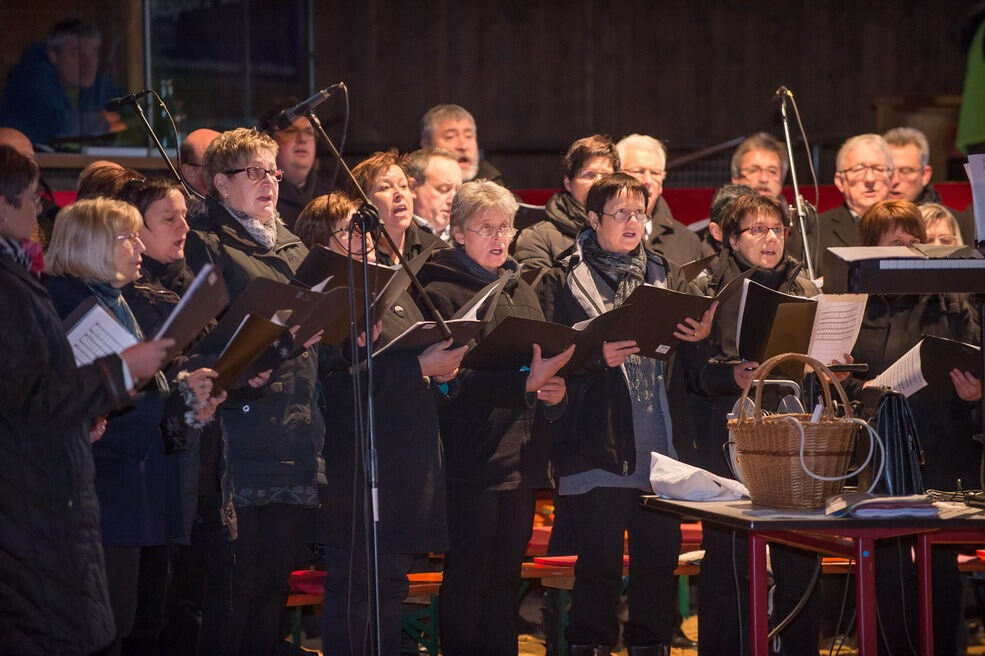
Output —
(690, 270)
(928, 365)
(251, 338)
(771, 322)
(464, 326)
(202, 302)
(650, 316)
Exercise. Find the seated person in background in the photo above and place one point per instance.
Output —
(434, 177)
(912, 173)
(941, 226)
(192, 151)
(452, 127)
(891, 326)
(864, 176)
(296, 157)
(547, 243)
(385, 183)
(105, 180)
(645, 158)
(55, 91)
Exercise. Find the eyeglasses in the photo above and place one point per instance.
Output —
(488, 233)
(656, 174)
(945, 240)
(759, 231)
(591, 176)
(908, 171)
(257, 173)
(858, 172)
(904, 242)
(623, 216)
(294, 133)
(131, 237)
(756, 171)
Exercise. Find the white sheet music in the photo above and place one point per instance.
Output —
(98, 334)
(836, 326)
(905, 375)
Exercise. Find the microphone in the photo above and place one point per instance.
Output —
(288, 116)
(781, 92)
(116, 104)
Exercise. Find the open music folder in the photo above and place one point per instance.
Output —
(928, 364)
(202, 302)
(250, 339)
(770, 323)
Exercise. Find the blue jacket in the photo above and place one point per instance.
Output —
(36, 104)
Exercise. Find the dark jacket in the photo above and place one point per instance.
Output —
(489, 172)
(892, 325)
(276, 436)
(488, 429)
(416, 240)
(54, 598)
(200, 462)
(711, 386)
(597, 430)
(835, 227)
(408, 446)
(291, 199)
(547, 243)
(671, 237)
(138, 505)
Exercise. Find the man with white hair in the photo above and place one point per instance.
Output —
(645, 158)
(452, 127)
(864, 176)
(912, 173)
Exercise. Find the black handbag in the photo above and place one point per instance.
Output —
(904, 455)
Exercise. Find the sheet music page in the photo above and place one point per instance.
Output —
(905, 375)
(742, 308)
(975, 168)
(98, 334)
(836, 326)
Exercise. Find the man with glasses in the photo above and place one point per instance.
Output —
(296, 157)
(645, 158)
(912, 173)
(864, 176)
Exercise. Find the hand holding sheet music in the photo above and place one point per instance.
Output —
(929, 363)
(94, 333)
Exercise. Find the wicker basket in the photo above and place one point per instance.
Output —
(768, 447)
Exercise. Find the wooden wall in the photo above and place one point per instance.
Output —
(538, 75)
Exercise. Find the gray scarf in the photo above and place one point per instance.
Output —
(264, 233)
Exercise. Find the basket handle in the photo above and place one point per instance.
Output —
(825, 375)
(873, 442)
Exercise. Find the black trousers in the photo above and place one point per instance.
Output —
(897, 597)
(122, 570)
(248, 621)
(489, 533)
(723, 594)
(152, 588)
(599, 518)
(348, 605)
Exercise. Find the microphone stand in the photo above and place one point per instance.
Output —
(157, 142)
(801, 210)
(372, 473)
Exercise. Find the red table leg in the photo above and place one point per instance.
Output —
(758, 615)
(865, 596)
(926, 595)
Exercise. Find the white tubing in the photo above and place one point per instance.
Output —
(873, 440)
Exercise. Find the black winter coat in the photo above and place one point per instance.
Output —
(275, 436)
(488, 429)
(597, 430)
(53, 597)
(137, 485)
(408, 446)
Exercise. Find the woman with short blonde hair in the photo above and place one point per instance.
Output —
(83, 245)
(941, 226)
